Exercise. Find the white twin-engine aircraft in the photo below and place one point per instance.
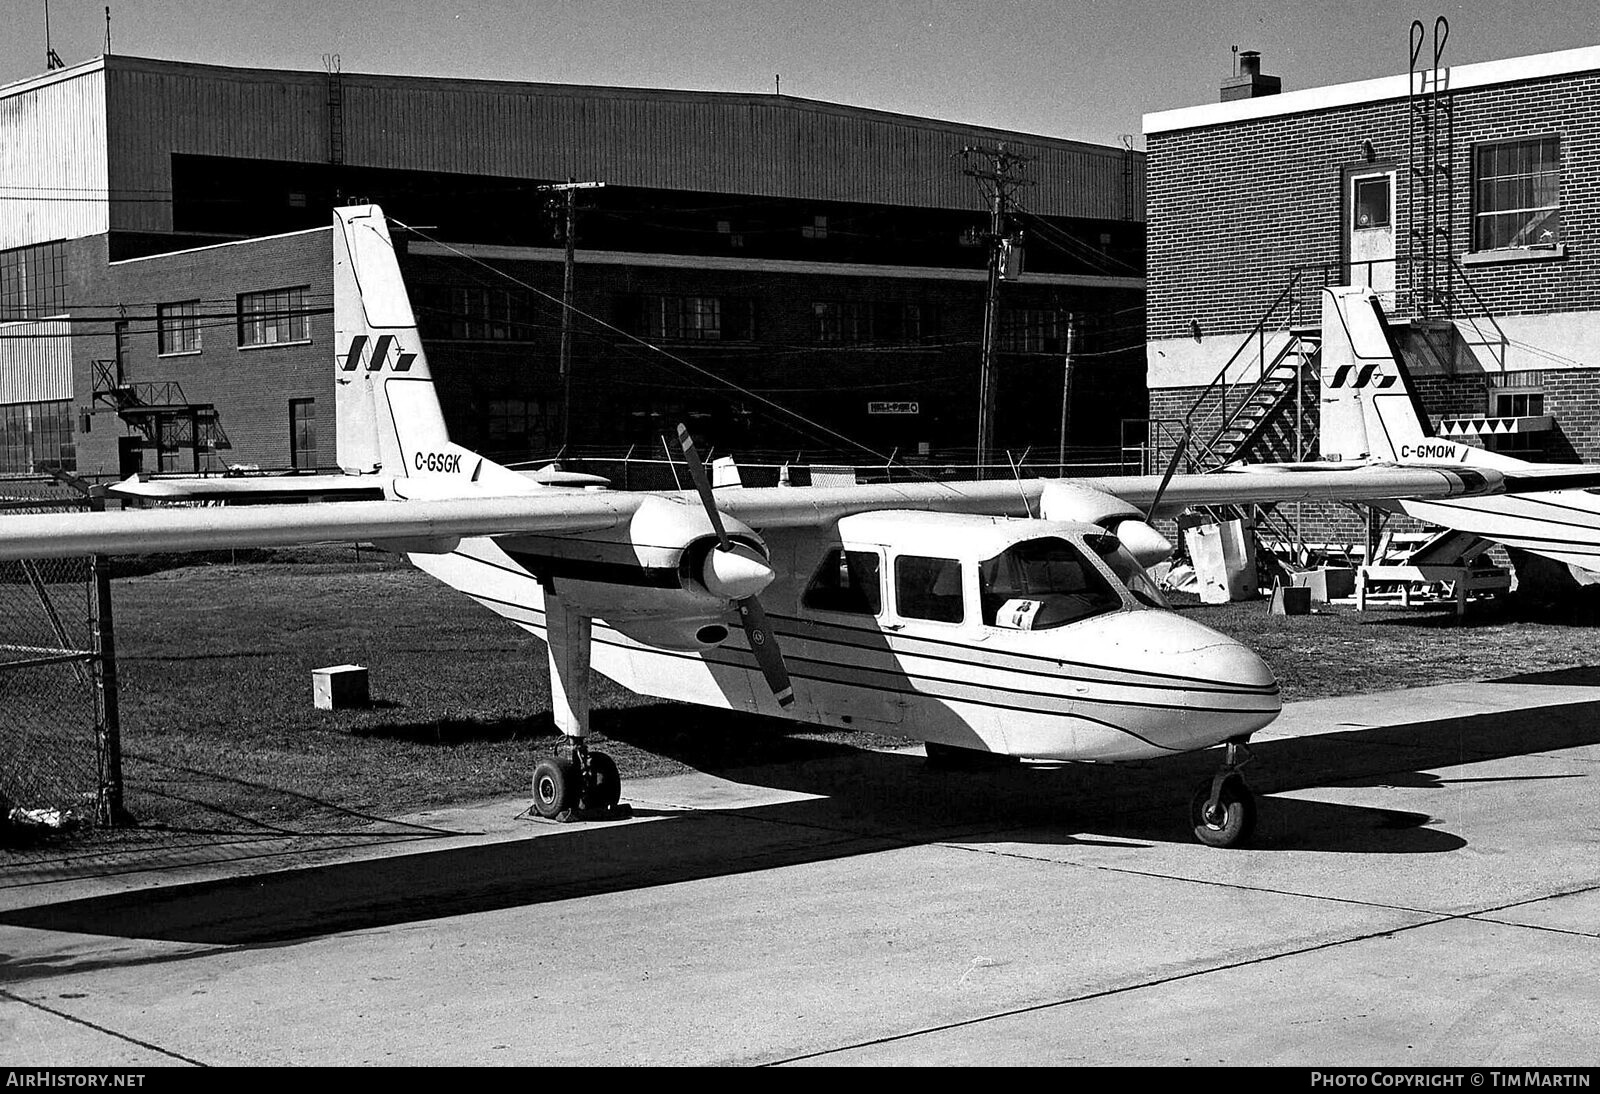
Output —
(1010, 617)
(1370, 413)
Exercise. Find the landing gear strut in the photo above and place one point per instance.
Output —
(574, 784)
(1223, 810)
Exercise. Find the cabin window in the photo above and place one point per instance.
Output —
(1128, 570)
(1516, 194)
(928, 588)
(1042, 583)
(847, 581)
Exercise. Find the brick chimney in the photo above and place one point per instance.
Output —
(1249, 84)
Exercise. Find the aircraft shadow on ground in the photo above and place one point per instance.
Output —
(865, 802)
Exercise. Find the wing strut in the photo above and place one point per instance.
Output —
(1166, 479)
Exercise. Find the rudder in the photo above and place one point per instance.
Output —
(1369, 404)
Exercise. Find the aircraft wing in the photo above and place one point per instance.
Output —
(559, 511)
(146, 531)
(792, 507)
(1309, 482)
(251, 489)
(240, 489)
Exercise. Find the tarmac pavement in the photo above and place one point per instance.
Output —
(1424, 890)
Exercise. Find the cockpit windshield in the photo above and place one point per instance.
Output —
(1126, 567)
(1043, 583)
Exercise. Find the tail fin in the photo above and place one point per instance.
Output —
(1369, 404)
(389, 418)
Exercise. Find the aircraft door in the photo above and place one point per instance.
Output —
(842, 609)
(1369, 202)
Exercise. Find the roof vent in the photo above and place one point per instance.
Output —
(1249, 83)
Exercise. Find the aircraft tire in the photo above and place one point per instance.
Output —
(603, 788)
(555, 786)
(1238, 814)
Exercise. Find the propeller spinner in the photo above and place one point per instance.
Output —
(762, 642)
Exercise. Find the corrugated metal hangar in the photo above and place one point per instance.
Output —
(776, 270)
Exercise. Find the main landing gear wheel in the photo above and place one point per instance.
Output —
(1228, 823)
(578, 785)
(555, 786)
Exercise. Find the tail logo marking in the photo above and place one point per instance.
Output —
(380, 354)
(1361, 376)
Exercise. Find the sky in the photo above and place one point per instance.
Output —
(1081, 69)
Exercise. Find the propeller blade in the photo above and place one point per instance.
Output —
(762, 644)
(697, 473)
(765, 647)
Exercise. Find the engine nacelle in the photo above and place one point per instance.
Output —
(695, 634)
(1072, 501)
(659, 573)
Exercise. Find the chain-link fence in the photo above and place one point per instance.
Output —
(59, 761)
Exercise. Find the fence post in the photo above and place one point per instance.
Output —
(110, 727)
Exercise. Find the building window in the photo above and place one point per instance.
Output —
(1032, 330)
(854, 321)
(897, 322)
(37, 436)
(1518, 404)
(842, 321)
(1516, 187)
(33, 282)
(817, 229)
(699, 318)
(273, 318)
(475, 313)
(1372, 202)
(303, 434)
(519, 426)
(178, 327)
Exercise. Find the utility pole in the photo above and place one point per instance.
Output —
(1066, 399)
(998, 175)
(570, 232)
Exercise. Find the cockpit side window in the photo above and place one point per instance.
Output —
(1126, 567)
(847, 581)
(928, 588)
(1042, 583)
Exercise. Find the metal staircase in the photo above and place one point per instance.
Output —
(1264, 414)
(160, 412)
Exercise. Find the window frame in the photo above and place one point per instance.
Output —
(170, 322)
(1482, 242)
(834, 558)
(698, 317)
(899, 599)
(280, 306)
(296, 421)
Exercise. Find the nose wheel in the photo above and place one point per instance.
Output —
(578, 784)
(1223, 809)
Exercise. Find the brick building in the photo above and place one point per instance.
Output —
(1468, 197)
(770, 268)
